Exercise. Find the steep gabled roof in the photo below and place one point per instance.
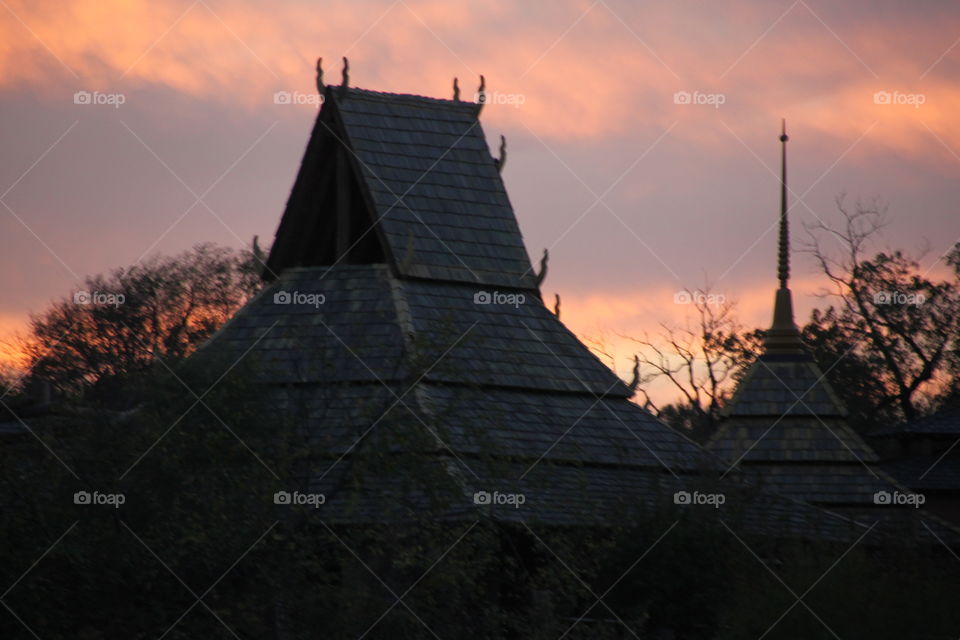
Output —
(401, 302)
(422, 184)
(399, 271)
(442, 310)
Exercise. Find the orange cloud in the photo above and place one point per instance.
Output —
(585, 74)
(607, 73)
(606, 320)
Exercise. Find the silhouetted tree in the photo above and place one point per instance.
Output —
(889, 340)
(119, 323)
(701, 359)
(201, 548)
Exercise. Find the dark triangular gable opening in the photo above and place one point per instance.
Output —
(407, 181)
(327, 219)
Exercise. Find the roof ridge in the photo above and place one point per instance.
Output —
(353, 92)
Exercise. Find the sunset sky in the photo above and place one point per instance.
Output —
(635, 195)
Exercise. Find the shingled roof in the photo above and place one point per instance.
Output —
(400, 295)
(400, 298)
(945, 422)
(785, 426)
(927, 457)
(417, 179)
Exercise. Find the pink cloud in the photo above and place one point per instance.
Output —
(598, 80)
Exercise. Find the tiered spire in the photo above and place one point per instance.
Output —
(783, 268)
(783, 338)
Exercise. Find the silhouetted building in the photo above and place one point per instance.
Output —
(401, 302)
(923, 455)
(786, 429)
(401, 296)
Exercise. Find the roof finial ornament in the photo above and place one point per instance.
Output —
(320, 85)
(502, 160)
(257, 252)
(783, 266)
(456, 90)
(635, 380)
(556, 305)
(542, 274)
(481, 94)
(345, 84)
